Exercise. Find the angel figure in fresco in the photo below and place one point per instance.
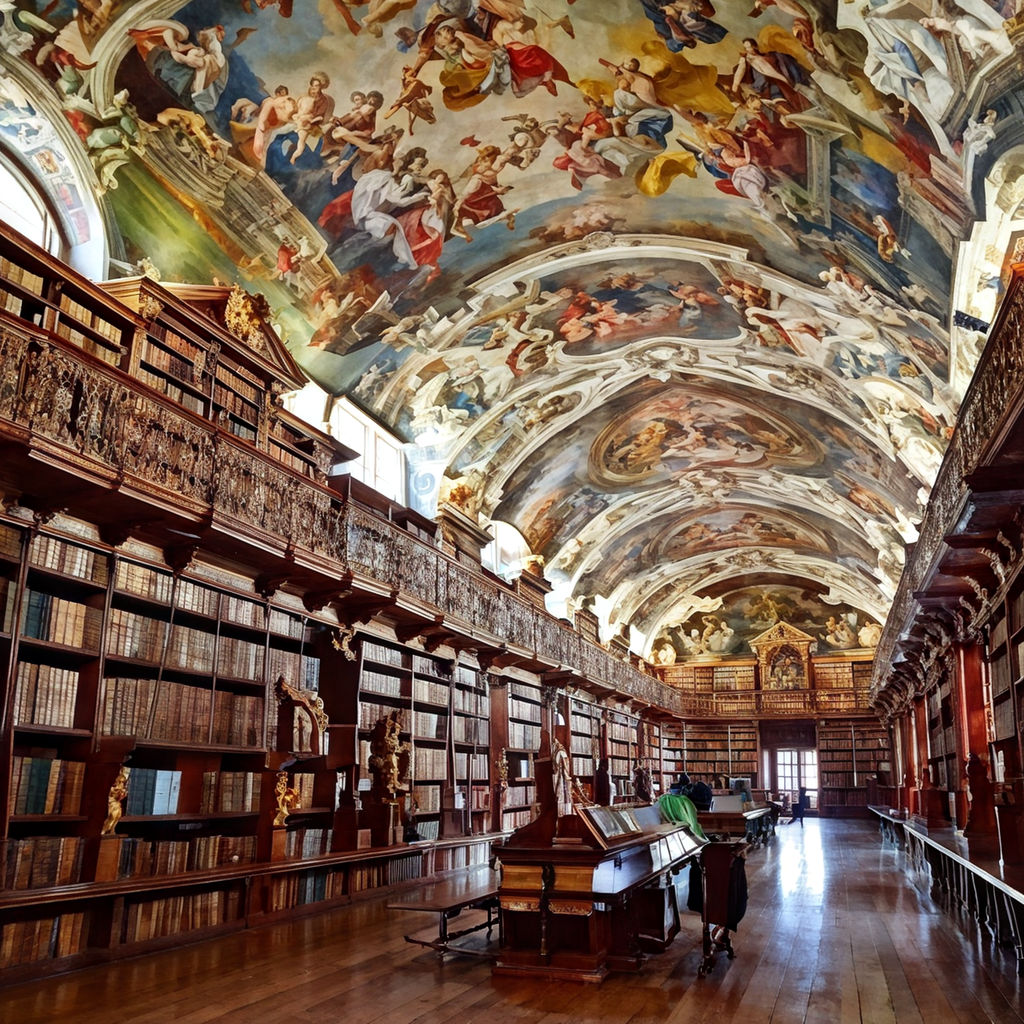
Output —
(684, 23)
(480, 201)
(195, 71)
(274, 115)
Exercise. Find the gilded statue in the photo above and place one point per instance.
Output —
(115, 799)
(389, 760)
(287, 798)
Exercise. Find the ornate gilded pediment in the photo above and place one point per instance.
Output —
(783, 656)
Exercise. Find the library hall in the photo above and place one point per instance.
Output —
(512, 510)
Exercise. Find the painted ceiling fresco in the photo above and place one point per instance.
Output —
(664, 284)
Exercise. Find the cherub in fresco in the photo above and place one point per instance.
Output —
(641, 451)
(580, 158)
(413, 100)
(274, 116)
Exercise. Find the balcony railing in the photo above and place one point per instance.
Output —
(92, 420)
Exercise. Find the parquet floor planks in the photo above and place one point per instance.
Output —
(835, 933)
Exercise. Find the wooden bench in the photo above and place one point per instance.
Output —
(474, 888)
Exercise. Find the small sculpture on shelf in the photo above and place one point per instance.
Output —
(287, 799)
(643, 786)
(561, 773)
(115, 799)
(389, 759)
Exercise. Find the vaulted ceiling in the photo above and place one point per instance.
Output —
(667, 286)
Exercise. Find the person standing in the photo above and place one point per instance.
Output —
(602, 784)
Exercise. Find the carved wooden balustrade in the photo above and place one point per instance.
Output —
(64, 412)
(932, 606)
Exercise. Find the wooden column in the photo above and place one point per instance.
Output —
(972, 746)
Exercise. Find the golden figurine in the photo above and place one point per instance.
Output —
(390, 760)
(287, 798)
(115, 798)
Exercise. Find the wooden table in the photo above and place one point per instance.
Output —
(474, 888)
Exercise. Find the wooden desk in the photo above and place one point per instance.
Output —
(756, 825)
(474, 888)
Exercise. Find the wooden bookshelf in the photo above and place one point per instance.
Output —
(849, 753)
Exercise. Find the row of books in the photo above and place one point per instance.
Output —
(516, 819)
(239, 659)
(471, 702)
(427, 799)
(371, 714)
(84, 315)
(429, 828)
(378, 652)
(840, 780)
(59, 621)
(582, 766)
(306, 887)
(462, 857)
(238, 381)
(146, 858)
(143, 580)
(477, 762)
(373, 681)
(582, 744)
(67, 559)
(154, 709)
(429, 725)
(524, 691)
(152, 791)
(230, 791)
(480, 798)
(166, 362)
(523, 737)
(429, 667)
(45, 695)
(470, 677)
(429, 763)
(300, 670)
(10, 302)
(41, 862)
(19, 275)
(45, 938)
(131, 635)
(176, 915)
(180, 344)
(584, 725)
(10, 543)
(173, 391)
(471, 730)
(429, 691)
(523, 710)
(42, 785)
(307, 842)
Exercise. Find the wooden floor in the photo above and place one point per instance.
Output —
(834, 933)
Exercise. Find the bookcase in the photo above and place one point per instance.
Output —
(710, 750)
(471, 735)
(585, 718)
(849, 753)
(524, 722)
(650, 754)
(623, 749)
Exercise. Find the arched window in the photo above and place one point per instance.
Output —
(23, 207)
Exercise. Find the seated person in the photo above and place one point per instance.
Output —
(700, 793)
